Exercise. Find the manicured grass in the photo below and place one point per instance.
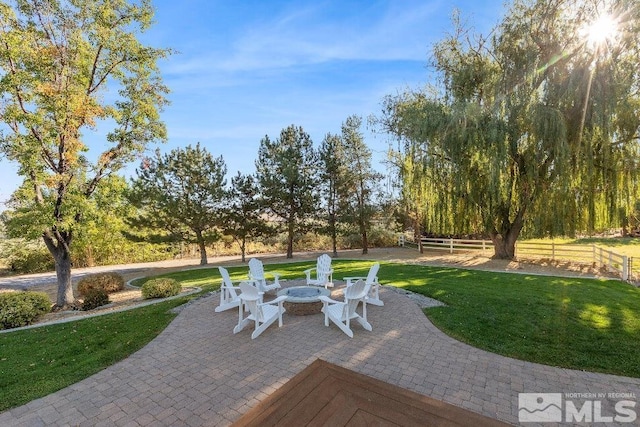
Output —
(36, 362)
(574, 323)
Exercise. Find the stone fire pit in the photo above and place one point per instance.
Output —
(303, 300)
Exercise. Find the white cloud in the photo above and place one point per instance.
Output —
(317, 33)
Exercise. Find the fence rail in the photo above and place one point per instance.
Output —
(614, 262)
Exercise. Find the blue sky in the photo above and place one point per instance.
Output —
(246, 69)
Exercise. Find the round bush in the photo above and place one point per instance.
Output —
(22, 308)
(160, 288)
(30, 260)
(95, 298)
(108, 282)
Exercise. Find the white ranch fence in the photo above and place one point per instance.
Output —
(597, 256)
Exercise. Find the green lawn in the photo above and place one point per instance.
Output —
(574, 323)
(36, 362)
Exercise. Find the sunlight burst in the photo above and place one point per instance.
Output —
(601, 31)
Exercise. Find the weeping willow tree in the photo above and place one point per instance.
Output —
(536, 126)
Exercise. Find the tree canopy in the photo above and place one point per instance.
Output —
(332, 179)
(535, 126)
(243, 212)
(65, 67)
(359, 180)
(287, 171)
(182, 192)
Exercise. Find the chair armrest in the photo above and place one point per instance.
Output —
(276, 276)
(351, 280)
(327, 300)
(307, 272)
(277, 300)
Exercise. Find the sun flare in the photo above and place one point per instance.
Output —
(602, 30)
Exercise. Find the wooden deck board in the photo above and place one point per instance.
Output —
(324, 394)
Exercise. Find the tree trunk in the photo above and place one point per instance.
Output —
(334, 234)
(503, 247)
(65, 296)
(243, 247)
(365, 240)
(417, 232)
(203, 248)
(58, 245)
(504, 243)
(290, 240)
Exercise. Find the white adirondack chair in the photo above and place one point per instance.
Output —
(229, 297)
(373, 297)
(262, 315)
(256, 274)
(228, 293)
(324, 272)
(341, 313)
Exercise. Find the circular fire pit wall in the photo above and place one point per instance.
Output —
(303, 300)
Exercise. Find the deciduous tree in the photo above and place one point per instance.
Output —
(538, 121)
(64, 67)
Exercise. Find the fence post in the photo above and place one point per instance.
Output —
(451, 245)
(401, 240)
(625, 267)
(600, 257)
(553, 250)
(593, 249)
(484, 246)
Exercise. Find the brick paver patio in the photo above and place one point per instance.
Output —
(197, 372)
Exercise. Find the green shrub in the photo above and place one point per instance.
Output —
(95, 298)
(310, 242)
(108, 282)
(382, 238)
(160, 288)
(30, 260)
(22, 308)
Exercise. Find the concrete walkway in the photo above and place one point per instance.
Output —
(198, 373)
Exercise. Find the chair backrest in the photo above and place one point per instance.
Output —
(323, 266)
(373, 272)
(226, 281)
(352, 296)
(251, 298)
(256, 269)
(324, 262)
